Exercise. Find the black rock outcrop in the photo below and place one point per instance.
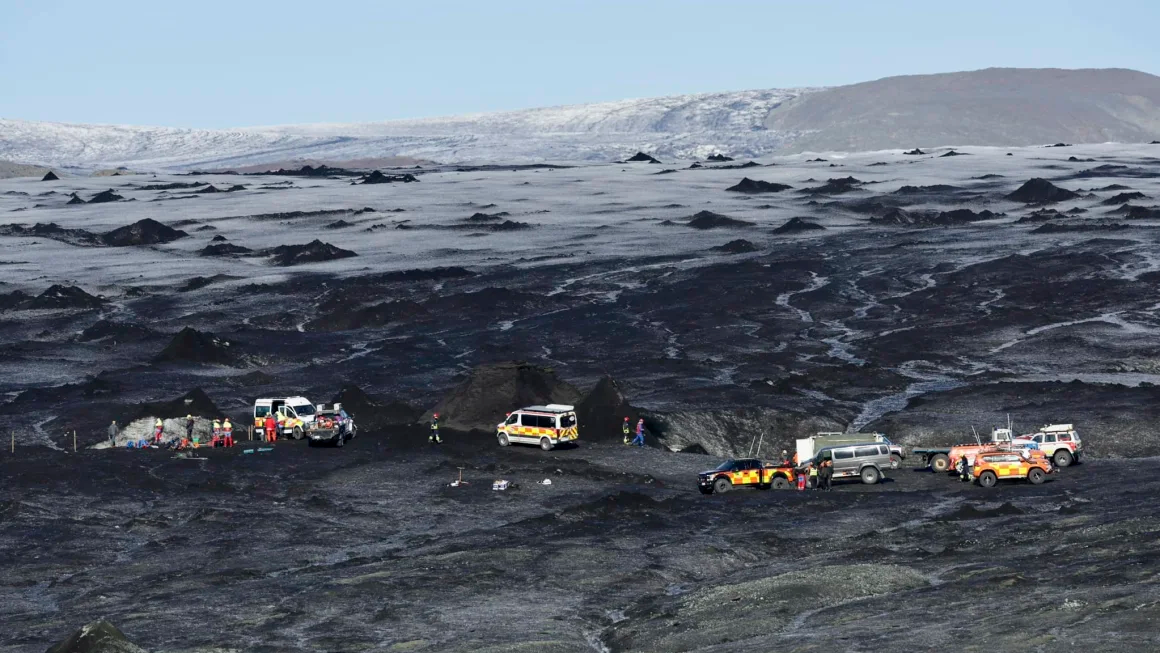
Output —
(1124, 198)
(50, 176)
(60, 296)
(97, 637)
(315, 251)
(143, 232)
(496, 389)
(193, 346)
(719, 158)
(739, 246)
(797, 226)
(710, 220)
(752, 186)
(641, 157)
(1041, 191)
(224, 249)
(378, 177)
(105, 196)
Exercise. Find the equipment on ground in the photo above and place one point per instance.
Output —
(546, 426)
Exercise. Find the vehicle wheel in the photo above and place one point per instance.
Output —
(545, 444)
(870, 475)
(988, 479)
(722, 485)
(780, 483)
(1035, 476)
(340, 441)
(1062, 458)
(296, 433)
(895, 461)
(503, 439)
(939, 462)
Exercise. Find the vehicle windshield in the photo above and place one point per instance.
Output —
(725, 466)
(261, 411)
(304, 410)
(567, 421)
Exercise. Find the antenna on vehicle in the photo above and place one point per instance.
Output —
(759, 440)
(978, 440)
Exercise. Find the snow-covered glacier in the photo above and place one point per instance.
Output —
(681, 126)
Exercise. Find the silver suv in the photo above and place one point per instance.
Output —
(866, 460)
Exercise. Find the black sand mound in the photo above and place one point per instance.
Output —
(338, 224)
(710, 220)
(373, 413)
(602, 411)
(218, 239)
(115, 331)
(666, 171)
(747, 185)
(719, 158)
(177, 185)
(378, 177)
(695, 165)
(486, 217)
(97, 637)
(953, 153)
(901, 218)
(1124, 198)
(59, 296)
(492, 391)
(914, 152)
(641, 157)
(1138, 212)
(922, 190)
(315, 251)
(797, 226)
(376, 316)
(427, 274)
(225, 249)
(969, 511)
(50, 176)
(1040, 216)
(739, 246)
(1059, 145)
(143, 232)
(13, 300)
(1041, 191)
(195, 402)
(254, 379)
(75, 199)
(196, 283)
(78, 237)
(209, 189)
(1055, 228)
(193, 346)
(105, 196)
(834, 186)
(310, 171)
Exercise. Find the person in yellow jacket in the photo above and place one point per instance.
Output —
(217, 433)
(158, 428)
(227, 433)
(813, 476)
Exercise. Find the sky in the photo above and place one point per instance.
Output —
(252, 62)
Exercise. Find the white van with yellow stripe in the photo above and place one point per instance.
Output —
(546, 426)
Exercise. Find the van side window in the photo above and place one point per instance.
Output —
(865, 452)
(1050, 437)
(843, 454)
(883, 450)
(529, 420)
(547, 422)
(1065, 437)
(512, 419)
(1038, 438)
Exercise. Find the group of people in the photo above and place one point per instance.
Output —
(222, 435)
(819, 477)
(639, 439)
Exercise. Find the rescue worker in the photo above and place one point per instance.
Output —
(784, 457)
(189, 422)
(639, 439)
(626, 429)
(964, 470)
(113, 430)
(801, 478)
(795, 459)
(433, 436)
(216, 441)
(227, 433)
(158, 429)
(826, 474)
(814, 476)
(271, 428)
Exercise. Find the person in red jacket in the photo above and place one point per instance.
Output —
(271, 429)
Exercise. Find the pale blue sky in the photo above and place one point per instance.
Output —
(239, 63)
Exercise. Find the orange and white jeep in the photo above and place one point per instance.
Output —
(1060, 442)
(992, 466)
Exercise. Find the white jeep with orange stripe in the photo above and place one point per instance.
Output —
(546, 426)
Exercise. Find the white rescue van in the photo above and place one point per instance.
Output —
(294, 415)
(546, 426)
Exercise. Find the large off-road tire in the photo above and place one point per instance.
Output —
(1035, 476)
(940, 462)
(895, 461)
(503, 439)
(988, 479)
(296, 433)
(781, 483)
(1063, 458)
(545, 444)
(871, 475)
(722, 485)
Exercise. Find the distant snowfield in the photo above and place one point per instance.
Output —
(679, 127)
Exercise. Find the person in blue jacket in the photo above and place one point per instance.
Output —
(639, 439)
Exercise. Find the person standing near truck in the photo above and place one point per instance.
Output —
(271, 425)
(227, 433)
(826, 474)
(433, 437)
